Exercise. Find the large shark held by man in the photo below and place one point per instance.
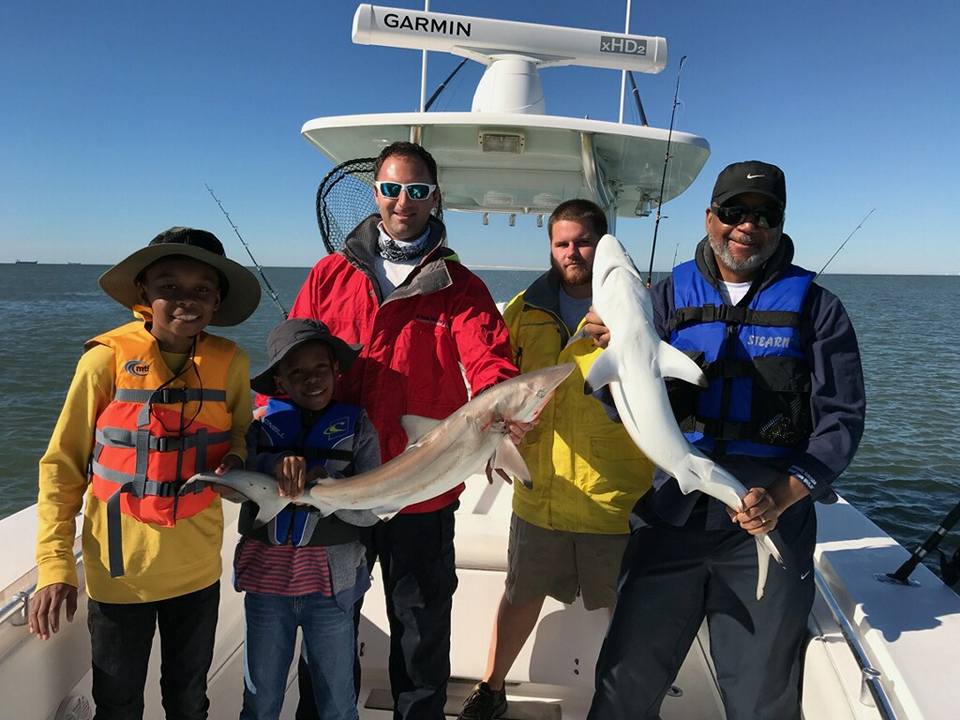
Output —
(441, 455)
(634, 366)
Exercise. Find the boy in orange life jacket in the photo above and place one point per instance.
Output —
(152, 402)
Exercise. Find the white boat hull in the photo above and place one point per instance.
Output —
(911, 635)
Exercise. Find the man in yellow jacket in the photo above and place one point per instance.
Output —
(568, 532)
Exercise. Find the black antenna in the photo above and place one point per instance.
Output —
(263, 276)
(843, 243)
(663, 179)
(441, 86)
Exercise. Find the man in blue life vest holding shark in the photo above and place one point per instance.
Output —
(784, 412)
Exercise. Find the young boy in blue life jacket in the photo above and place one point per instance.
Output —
(301, 569)
(151, 403)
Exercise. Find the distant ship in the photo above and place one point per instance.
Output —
(24, 262)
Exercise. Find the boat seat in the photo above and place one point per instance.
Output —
(481, 542)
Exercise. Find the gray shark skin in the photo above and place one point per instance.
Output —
(634, 366)
(442, 454)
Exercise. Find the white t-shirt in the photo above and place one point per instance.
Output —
(734, 291)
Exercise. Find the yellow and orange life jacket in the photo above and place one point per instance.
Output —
(158, 430)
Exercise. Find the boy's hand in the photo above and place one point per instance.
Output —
(291, 474)
(45, 608)
(318, 473)
(229, 462)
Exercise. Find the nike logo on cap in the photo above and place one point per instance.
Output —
(753, 177)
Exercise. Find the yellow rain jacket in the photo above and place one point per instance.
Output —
(586, 472)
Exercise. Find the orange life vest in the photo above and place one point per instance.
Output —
(158, 430)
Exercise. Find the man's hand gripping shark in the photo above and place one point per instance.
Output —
(634, 366)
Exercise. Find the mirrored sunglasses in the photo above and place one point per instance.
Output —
(415, 191)
(768, 216)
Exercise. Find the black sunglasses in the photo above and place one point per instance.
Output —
(767, 216)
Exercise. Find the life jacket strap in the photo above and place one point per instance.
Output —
(120, 438)
(169, 395)
(733, 315)
(144, 488)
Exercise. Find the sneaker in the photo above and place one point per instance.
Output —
(484, 703)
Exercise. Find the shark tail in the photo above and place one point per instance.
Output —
(766, 549)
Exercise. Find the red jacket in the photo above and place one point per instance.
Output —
(414, 341)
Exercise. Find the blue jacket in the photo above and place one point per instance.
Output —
(837, 399)
(326, 438)
(758, 399)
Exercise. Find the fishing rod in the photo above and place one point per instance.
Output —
(844, 243)
(263, 276)
(902, 574)
(636, 96)
(441, 86)
(663, 179)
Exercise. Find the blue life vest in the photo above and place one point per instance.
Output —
(758, 399)
(328, 441)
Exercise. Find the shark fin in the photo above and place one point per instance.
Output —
(508, 458)
(581, 334)
(268, 509)
(603, 372)
(677, 364)
(416, 427)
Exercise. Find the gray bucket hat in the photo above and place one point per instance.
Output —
(291, 334)
(239, 291)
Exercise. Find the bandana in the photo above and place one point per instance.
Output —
(395, 251)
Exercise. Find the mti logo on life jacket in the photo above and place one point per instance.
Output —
(137, 367)
(336, 427)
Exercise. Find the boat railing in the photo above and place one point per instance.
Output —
(16, 610)
(872, 692)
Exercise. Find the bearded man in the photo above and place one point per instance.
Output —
(567, 532)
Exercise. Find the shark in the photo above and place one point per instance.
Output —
(633, 366)
(441, 455)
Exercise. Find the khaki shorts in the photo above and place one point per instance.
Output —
(562, 564)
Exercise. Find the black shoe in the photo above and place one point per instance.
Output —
(484, 703)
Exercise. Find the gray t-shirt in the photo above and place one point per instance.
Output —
(573, 309)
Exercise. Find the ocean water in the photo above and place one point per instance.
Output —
(905, 476)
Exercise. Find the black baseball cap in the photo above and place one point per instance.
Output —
(291, 334)
(751, 176)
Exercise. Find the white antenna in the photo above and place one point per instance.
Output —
(623, 73)
(423, 69)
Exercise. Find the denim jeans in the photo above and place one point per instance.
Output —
(328, 635)
(121, 637)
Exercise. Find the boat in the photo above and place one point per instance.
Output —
(879, 647)
(25, 262)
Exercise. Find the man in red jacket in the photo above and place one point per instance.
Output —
(431, 336)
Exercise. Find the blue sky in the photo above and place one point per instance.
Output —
(114, 115)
